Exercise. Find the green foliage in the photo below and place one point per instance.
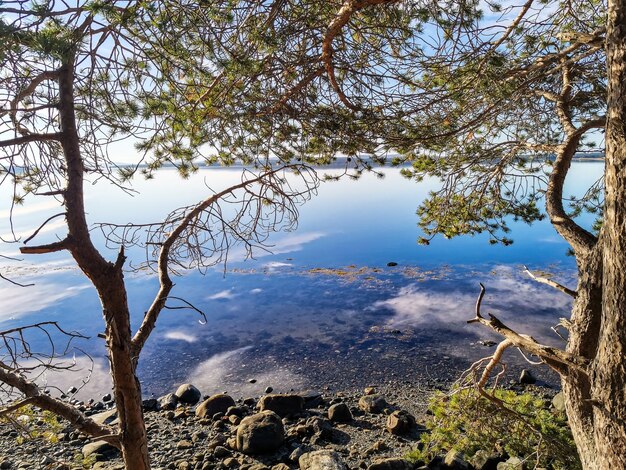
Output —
(36, 423)
(84, 462)
(468, 422)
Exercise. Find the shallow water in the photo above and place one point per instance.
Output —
(323, 310)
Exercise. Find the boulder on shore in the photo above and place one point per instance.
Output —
(400, 422)
(339, 413)
(215, 404)
(321, 460)
(188, 394)
(372, 403)
(260, 433)
(282, 405)
(394, 463)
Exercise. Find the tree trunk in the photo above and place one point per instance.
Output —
(583, 335)
(108, 280)
(609, 370)
(126, 387)
(596, 403)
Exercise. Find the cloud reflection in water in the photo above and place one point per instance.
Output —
(225, 371)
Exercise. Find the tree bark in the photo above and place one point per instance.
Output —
(108, 280)
(583, 334)
(609, 370)
(596, 403)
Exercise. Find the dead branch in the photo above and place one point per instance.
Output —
(556, 358)
(49, 248)
(551, 283)
(70, 413)
(43, 225)
(15, 282)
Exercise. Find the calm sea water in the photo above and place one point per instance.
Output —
(322, 309)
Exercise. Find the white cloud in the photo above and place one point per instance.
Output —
(18, 301)
(180, 336)
(226, 372)
(223, 295)
(518, 303)
(295, 242)
(24, 233)
(30, 209)
(256, 291)
(91, 377)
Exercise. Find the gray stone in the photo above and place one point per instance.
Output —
(559, 402)
(296, 454)
(400, 422)
(391, 464)
(320, 427)
(482, 460)
(340, 413)
(168, 402)
(236, 411)
(151, 404)
(221, 452)
(526, 377)
(260, 433)
(513, 463)
(280, 466)
(98, 447)
(282, 405)
(213, 405)
(372, 403)
(456, 461)
(312, 399)
(188, 394)
(184, 444)
(321, 460)
(106, 417)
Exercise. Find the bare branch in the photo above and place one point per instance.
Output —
(30, 138)
(58, 407)
(558, 359)
(551, 283)
(49, 248)
(43, 225)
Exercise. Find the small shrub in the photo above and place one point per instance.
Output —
(34, 423)
(467, 422)
(84, 462)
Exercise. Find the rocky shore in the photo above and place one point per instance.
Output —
(373, 428)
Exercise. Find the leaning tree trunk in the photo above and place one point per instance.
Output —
(108, 279)
(609, 369)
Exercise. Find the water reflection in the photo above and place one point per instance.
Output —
(324, 307)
